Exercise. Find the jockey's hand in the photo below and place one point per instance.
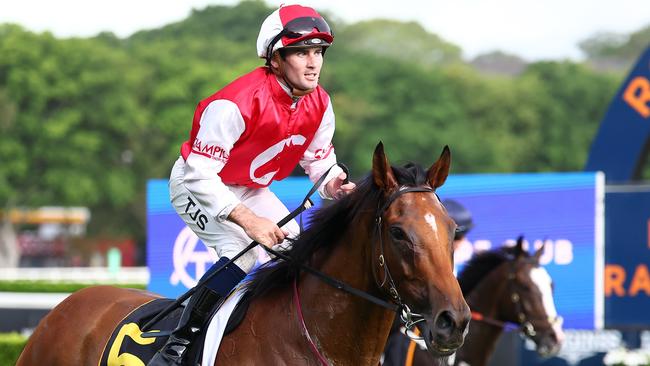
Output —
(260, 229)
(336, 189)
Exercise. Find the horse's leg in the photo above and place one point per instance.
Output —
(76, 331)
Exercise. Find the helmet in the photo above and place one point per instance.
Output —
(292, 26)
(461, 216)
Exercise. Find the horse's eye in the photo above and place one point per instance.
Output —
(397, 233)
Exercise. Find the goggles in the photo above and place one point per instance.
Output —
(301, 27)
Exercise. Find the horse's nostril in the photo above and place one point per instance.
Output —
(444, 321)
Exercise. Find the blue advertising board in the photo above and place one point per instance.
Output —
(562, 209)
(627, 255)
(175, 256)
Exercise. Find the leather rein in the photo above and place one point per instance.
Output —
(409, 318)
(396, 305)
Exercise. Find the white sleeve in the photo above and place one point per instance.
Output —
(320, 153)
(221, 125)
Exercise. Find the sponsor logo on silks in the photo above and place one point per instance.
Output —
(269, 154)
(199, 219)
(211, 151)
(184, 253)
(321, 154)
(131, 330)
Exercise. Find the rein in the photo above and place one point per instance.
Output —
(303, 326)
(409, 318)
(398, 307)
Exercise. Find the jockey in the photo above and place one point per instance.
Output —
(251, 132)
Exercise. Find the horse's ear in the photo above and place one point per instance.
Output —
(382, 173)
(437, 174)
(519, 247)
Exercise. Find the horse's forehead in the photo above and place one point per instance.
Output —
(540, 276)
(427, 206)
(426, 200)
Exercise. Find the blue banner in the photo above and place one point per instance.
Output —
(175, 256)
(564, 210)
(621, 144)
(561, 209)
(627, 279)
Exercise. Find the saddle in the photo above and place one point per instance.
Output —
(128, 347)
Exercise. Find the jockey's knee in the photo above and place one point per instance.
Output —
(246, 262)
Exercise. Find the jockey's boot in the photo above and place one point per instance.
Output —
(196, 314)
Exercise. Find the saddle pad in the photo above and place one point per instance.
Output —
(217, 326)
(127, 347)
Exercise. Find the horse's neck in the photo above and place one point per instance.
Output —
(482, 337)
(349, 329)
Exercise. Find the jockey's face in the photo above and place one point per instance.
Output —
(301, 68)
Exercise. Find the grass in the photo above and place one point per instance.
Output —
(50, 286)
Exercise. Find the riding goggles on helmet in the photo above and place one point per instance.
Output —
(302, 29)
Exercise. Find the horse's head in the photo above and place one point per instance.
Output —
(531, 290)
(413, 257)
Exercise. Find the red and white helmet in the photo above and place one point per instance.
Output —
(292, 26)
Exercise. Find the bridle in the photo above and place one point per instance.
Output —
(524, 322)
(409, 318)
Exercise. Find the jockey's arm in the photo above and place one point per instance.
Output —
(320, 156)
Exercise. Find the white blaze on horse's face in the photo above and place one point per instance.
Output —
(431, 220)
(542, 279)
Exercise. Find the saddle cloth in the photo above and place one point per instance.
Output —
(127, 347)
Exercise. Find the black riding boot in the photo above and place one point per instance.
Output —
(196, 313)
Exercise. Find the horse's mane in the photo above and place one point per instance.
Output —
(483, 263)
(327, 225)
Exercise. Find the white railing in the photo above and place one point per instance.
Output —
(77, 274)
(20, 300)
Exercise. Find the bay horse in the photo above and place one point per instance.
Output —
(506, 289)
(391, 239)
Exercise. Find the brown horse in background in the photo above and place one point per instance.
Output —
(506, 288)
(390, 238)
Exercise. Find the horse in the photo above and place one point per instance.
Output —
(506, 288)
(390, 239)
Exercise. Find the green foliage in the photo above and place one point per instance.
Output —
(614, 49)
(11, 345)
(398, 40)
(52, 287)
(88, 121)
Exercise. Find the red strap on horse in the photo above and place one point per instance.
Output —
(507, 326)
(305, 332)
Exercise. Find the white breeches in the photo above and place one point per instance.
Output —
(227, 238)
